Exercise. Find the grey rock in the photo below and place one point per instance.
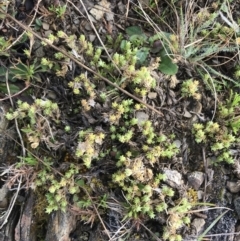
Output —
(92, 37)
(45, 26)
(174, 178)
(198, 224)
(109, 16)
(178, 143)
(200, 194)
(3, 197)
(76, 21)
(141, 117)
(3, 192)
(195, 179)
(233, 187)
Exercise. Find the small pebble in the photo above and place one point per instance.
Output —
(45, 26)
(178, 143)
(141, 117)
(198, 223)
(174, 178)
(195, 179)
(233, 187)
(92, 37)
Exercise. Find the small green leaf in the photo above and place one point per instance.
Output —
(81, 183)
(13, 88)
(134, 30)
(142, 55)
(38, 22)
(167, 66)
(84, 203)
(123, 44)
(3, 72)
(138, 39)
(72, 190)
(26, 130)
(30, 161)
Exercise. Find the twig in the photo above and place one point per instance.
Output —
(107, 232)
(115, 236)
(50, 130)
(153, 234)
(16, 123)
(128, 4)
(11, 205)
(16, 94)
(14, 198)
(205, 162)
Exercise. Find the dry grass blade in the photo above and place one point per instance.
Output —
(99, 216)
(211, 226)
(14, 198)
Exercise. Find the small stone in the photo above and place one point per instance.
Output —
(178, 143)
(92, 37)
(174, 178)
(233, 187)
(195, 179)
(47, 33)
(109, 16)
(88, 26)
(200, 194)
(38, 49)
(152, 95)
(100, 9)
(4, 203)
(141, 117)
(76, 21)
(121, 8)
(51, 95)
(198, 223)
(3, 192)
(157, 46)
(187, 114)
(3, 197)
(45, 26)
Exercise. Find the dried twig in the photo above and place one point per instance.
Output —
(16, 94)
(14, 197)
(99, 216)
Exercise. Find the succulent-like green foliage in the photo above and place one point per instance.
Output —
(58, 190)
(223, 133)
(190, 89)
(36, 120)
(86, 149)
